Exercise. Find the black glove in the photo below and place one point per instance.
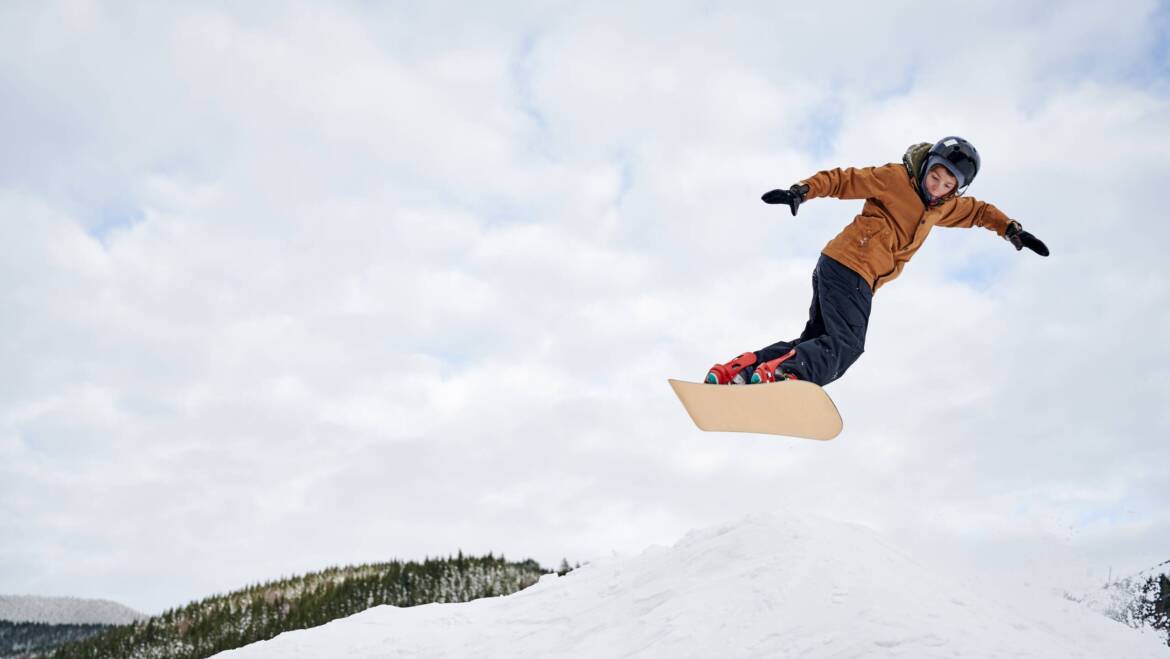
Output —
(792, 196)
(1016, 235)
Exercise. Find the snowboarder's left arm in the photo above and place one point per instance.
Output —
(969, 212)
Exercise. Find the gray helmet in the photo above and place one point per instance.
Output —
(958, 156)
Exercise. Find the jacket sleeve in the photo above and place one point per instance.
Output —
(851, 183)
(970, 212)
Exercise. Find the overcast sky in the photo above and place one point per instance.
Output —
(294, 285)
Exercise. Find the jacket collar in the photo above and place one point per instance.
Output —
(914, 159)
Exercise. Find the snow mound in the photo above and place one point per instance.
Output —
(65, 611)
(768, 586)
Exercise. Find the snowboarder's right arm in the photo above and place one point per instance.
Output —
(854, 183)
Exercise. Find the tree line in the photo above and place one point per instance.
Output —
(262, 611)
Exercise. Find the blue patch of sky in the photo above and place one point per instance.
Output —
(448, 356)
(492, 210)
(504, 211)
(1150, 68)
(113, 215)
(521, 74)
(902, 86)
(189, 164)
(1160, 51)
(1146, 67)
(817, 134)
(980, 270)
(979, 273)
(500, 211)
(106, 203)
(1107, 516)
(979, 277)
(626, 173)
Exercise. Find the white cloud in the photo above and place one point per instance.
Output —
(394, 282)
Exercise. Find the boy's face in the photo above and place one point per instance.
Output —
(940, 182)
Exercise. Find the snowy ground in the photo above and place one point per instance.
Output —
(768, 586)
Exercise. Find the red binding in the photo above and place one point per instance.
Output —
(766, 372)
(724, 373)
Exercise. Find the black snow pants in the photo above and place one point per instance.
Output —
(834, 336)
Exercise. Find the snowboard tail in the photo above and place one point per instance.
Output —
(793, 408)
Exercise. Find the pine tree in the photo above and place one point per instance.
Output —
(1159, 617)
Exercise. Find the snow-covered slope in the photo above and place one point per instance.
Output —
(65, 611)
(769, 586)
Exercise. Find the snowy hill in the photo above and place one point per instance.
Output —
(65, 611)
(768, 586)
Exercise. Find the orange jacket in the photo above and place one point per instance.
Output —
(894, 222)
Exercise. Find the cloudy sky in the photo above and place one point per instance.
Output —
(296, 285)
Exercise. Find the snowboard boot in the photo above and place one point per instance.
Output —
(736, 371)
(770, 371)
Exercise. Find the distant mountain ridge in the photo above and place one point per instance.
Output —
(259, 612)
(31, 640)
(66, 611)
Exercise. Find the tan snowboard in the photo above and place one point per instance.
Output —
(793, 408)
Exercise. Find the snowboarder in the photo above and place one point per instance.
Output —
(903, 202)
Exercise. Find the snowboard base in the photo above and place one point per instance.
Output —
(793, 408)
